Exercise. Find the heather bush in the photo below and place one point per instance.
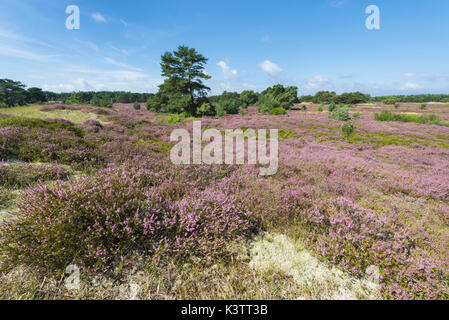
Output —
(21, 175)
(43, 145)
(5, 198)
(32, 123)
(103, 221)
(92, 125)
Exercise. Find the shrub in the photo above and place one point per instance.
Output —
(396, 105)
(136, 106)
(389, 101)
(44, 145)
(173, 119)
(103, 221)
(320, 108)
(386, 115)
(267, 102)
(32, 123)
(423, 106)
(219, 111)
(205, 109)
(231, 106)
(347, 129)
(21, 175)
(341, 114)
(6, 197)
(332, 106)
(356, 115)
(277, 111)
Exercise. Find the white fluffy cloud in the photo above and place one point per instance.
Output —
(97, 16)
(411, 86)
(317, 82)
(270, 67)
(229, 74)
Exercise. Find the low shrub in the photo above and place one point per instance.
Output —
(136, 106)
(46, 145)
(33, 123)
(320, 108)
(332, 106)
(173, 119)
(423, 106)
(341, 113)
(347, 129)
(5, 198)
(277, 111)
(386, 115)
(104, 221)
(21, 175)
(356, 115)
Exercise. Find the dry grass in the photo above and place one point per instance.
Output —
(75, 116)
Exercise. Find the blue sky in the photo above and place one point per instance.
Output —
(315, 45)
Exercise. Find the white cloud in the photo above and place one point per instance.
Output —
(21, 53)
(411, 86)
(270, 67)
(121, 65)
(98, 17)
(229, 74)
(317, 82)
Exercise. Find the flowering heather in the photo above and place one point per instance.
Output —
(104, 220)
(378, 198)
(21, 175)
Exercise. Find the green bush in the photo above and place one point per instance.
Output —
(173, 119)
(389, 101)
(387, 115)
(231, 106)
(136, 106)
(341, 114)
(219, 111)
(332, 106)
(267, 102)
(423, 106)
(205, 109)
(320, 108)
(277, 111)
(356, 115)
(347, 129)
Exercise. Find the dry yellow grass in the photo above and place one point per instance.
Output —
(33, 111)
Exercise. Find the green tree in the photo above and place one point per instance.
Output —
(248, 98)
(183, 90)
(36, 95)
(12, 93)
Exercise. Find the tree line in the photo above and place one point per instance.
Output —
(184, 91)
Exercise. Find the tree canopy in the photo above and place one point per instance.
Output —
(183, 88)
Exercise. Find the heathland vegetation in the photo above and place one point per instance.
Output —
(359, 207)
